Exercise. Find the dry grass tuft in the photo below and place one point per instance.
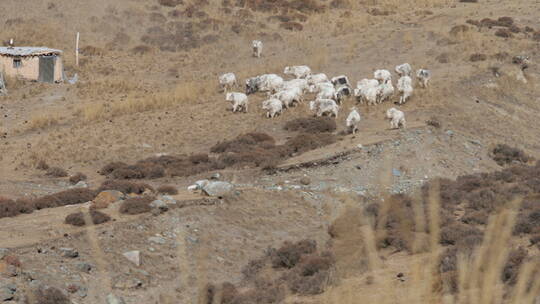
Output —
(43, 121)
(78, 218)
(137, 205)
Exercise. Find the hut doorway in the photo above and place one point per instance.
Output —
(46, 68)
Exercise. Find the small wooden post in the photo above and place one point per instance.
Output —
(77, 50)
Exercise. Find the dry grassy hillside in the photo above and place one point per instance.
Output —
(147, 113)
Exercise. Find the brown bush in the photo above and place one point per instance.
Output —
(141, 50)
(504, 155)
(167, 189)
(124, 186)
(42, 165)
(64, 198)
(341, 4)
(514, 261)
(487, 22)
(199, 158)
(459, 30)
(536, 36)
(478, 57)
(228, 293)
(514, 29)
(56, 172)
(473, 22)
(458, 233)
(311, 125)
(290, 253)
(504, 33)
(78, 218)
(170, 3)
(292, 26)
(378, 12)
(244, 143)
(505, 21)
(469, 1)
(48, 295)
(91, 51)
(434, 122)
(111, 167)
(11, 208)
(443, 58)
(137, 205)
(77, 178)
(306, 142)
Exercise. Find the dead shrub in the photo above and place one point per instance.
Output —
(503, 154)
(167, 189)
(199, 158)
(434, 122)
(91, 51)
(126, 187)
(311, 125)
(78, 218)
(170, 3)
(340, 4)
(42, 165)
(459, 30)
(56, 172)
(11, 208)
(141, 50)
(244, 143)
(228, 293)
(305, 142)
(398, 223)
(443, 58)
(137, 205)
(48, 295)
(308, 285)
(456, 234)
(504, 33)
(469, 1)
(536, 36)
(290, 253)
(378, 12)
(74, 179)
(477, 57)
(292, 26)
(487, 22)
(64, 198)
(514, 29)
(473, 22)
(514, 261)
(505, 21)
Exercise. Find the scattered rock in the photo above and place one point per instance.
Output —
(305, 181)
(7, 293)
(123, 282)
(159, 204)
(133, 256)
(11, 271)
(215, 176)
(476, 142)
(112, 299)
(168, 200)
(358, 167)
(84, 267)
(69, 252)
(450, 133)
(3, 252)
(105, 198)
(157, 240)
(217, 188)
(81, 184)
(396, 172)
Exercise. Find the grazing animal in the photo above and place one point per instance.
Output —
(423, 76)
(382, 76)
(238, 100)
(353, 120)
(340, 80)
(288, 97)
(404, 86)
(301, 84)
(397, 118)
(257, 46)
(367, 90)
(341, 93)
(298, 71)
(313, 79)
(273, 107)
(404, 70)
(227, 81)
(385, 91)
(316, 88)
(324, 106)
(264, 83)
(326, 92)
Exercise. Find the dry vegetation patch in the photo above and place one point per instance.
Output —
(79, 218)
(137, 205)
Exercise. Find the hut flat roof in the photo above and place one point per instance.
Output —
(27, 51)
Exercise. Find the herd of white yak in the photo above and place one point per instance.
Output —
(284, 94)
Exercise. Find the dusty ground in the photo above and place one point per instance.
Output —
(128, 106)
